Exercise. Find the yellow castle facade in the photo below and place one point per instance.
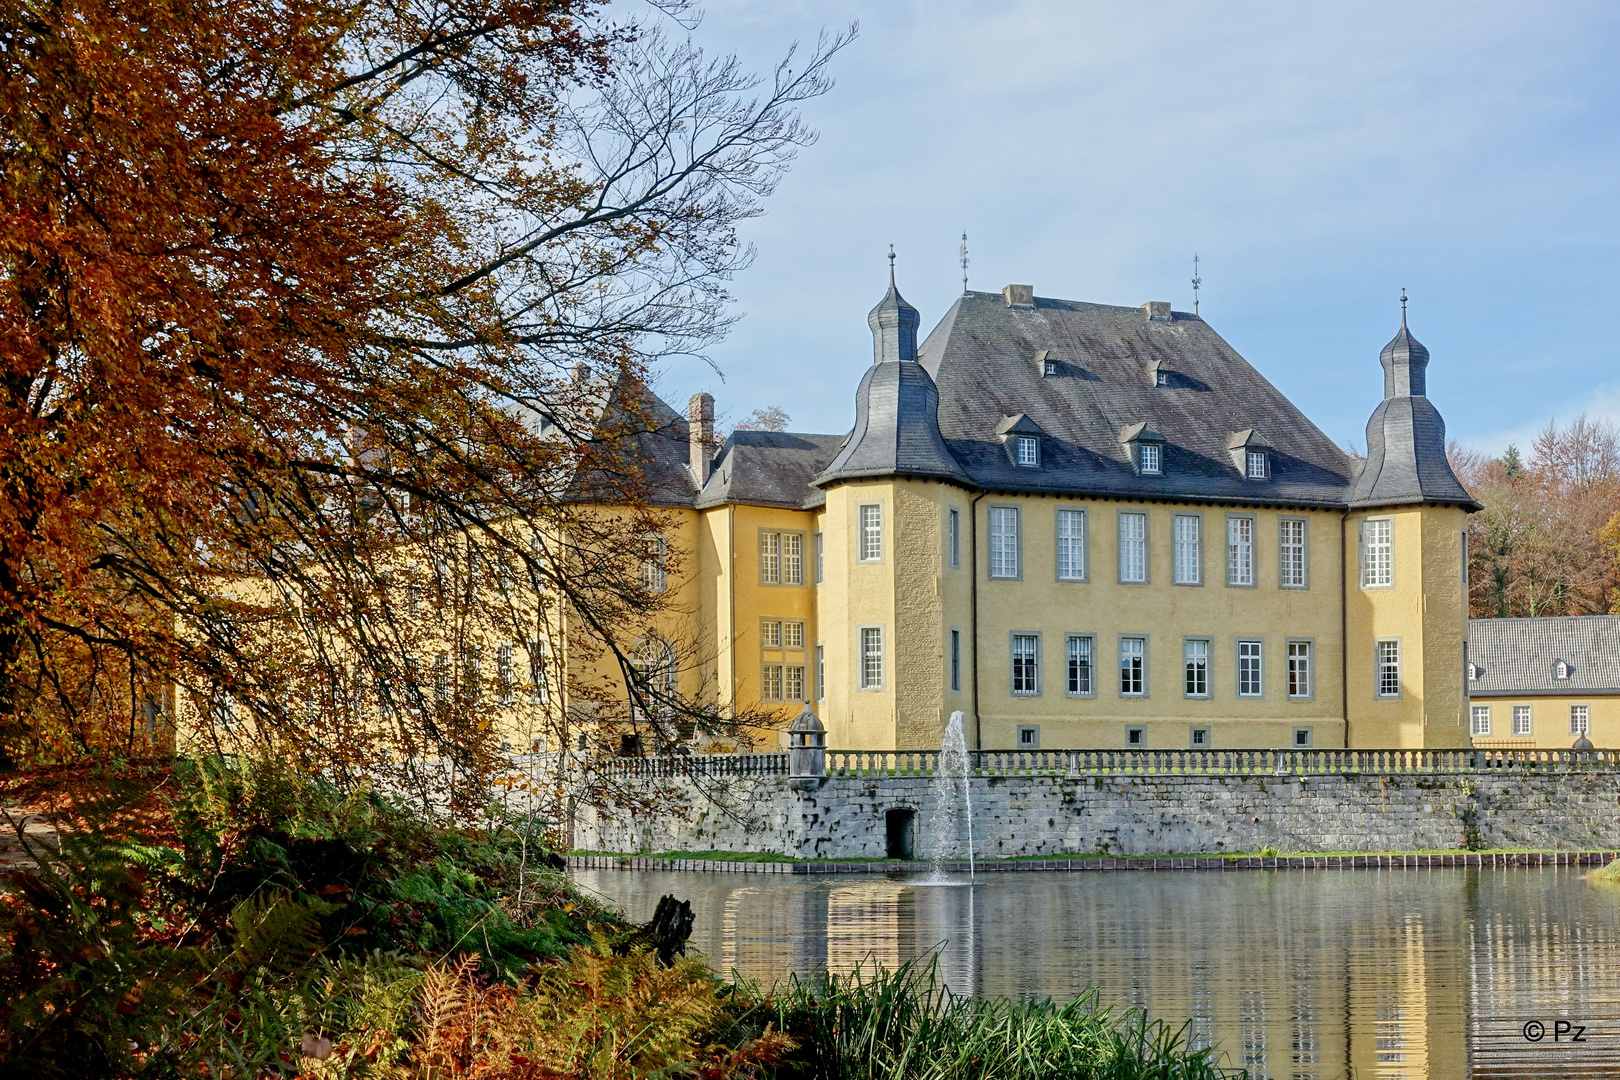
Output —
(1080, 525)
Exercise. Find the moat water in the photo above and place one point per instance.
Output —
(1315, 975)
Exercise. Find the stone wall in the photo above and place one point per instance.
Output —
(1018, 816)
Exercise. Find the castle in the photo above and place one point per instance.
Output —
(1081, 525)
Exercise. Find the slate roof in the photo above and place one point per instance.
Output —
(896, 433)
(640, 446)
(1085, 376)
(1516, 657)
(982, 358)
(769, 468)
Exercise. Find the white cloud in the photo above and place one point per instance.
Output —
(1319, 157)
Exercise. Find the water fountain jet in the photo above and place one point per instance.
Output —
(954, 763)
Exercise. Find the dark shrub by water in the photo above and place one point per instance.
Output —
(908, 1025)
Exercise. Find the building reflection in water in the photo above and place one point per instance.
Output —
(1299, 975)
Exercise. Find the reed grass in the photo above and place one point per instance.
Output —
(907, 1024)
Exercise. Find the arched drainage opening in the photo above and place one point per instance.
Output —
(900, 827)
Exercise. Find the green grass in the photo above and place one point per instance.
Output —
(908, 1025)
(770, 857)
(1609, 875)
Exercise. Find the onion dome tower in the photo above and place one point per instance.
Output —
(1406, 438)
(896, 429)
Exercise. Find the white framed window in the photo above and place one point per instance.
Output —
(1148, 456)
(1521, 720)
(792, 634)
(871, 532)
(1071, 545)
(820, 557)
(1250, 669)
(1560, 670)
(770, 558)
(1026, 665)
(1240, 552)
(1081, 649)
(1377, 553)
(953, 538)
(821, 672)
(1133, 548)
(539, 688)
(793, 683)
(1187, 534)
(1580, 720)
(1388, 661)
(1029, 736)
(1473, 672)
(1132, 667)
(503, 675)
(1257, 465)
(770, 633)
(770, 682)
(1299, 670)
(1195, 667)
(1004, 542)
(1479, 720)
(781, 558)
(792, 558)
(1198, 738)
(1291, 560)
(652, 563)
(441, 678)
(956, 660)
(871, 658)
(1029, 450)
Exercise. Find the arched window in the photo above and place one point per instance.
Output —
(654, 662)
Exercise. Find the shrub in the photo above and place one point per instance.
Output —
(908, 1025)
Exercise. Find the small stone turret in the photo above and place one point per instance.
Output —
(807, 747)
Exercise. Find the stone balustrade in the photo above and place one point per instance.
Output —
(1074, 763)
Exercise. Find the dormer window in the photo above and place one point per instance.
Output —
(1473, 672)
(1161, 378)
(1143, 447)
(1560, 670)
(1022, 438)
(1251, 454)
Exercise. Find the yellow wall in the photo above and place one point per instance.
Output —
(1549, 721)
(1424, 610)
(1165, 614)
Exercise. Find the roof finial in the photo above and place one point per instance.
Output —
(1197, 280)
(891, 266)
(1403, 307)
(963, 252)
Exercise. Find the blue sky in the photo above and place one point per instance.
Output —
(1319, 157)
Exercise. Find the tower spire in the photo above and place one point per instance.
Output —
(891, 266)
(1197, 280)
(1403, 307)
(962, 251)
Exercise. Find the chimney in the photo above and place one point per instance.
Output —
(700, 435)
(582, 371)
(1019, 296)
(1157, 310)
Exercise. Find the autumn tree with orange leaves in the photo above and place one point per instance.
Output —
(294, 302)
(1548, 540)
